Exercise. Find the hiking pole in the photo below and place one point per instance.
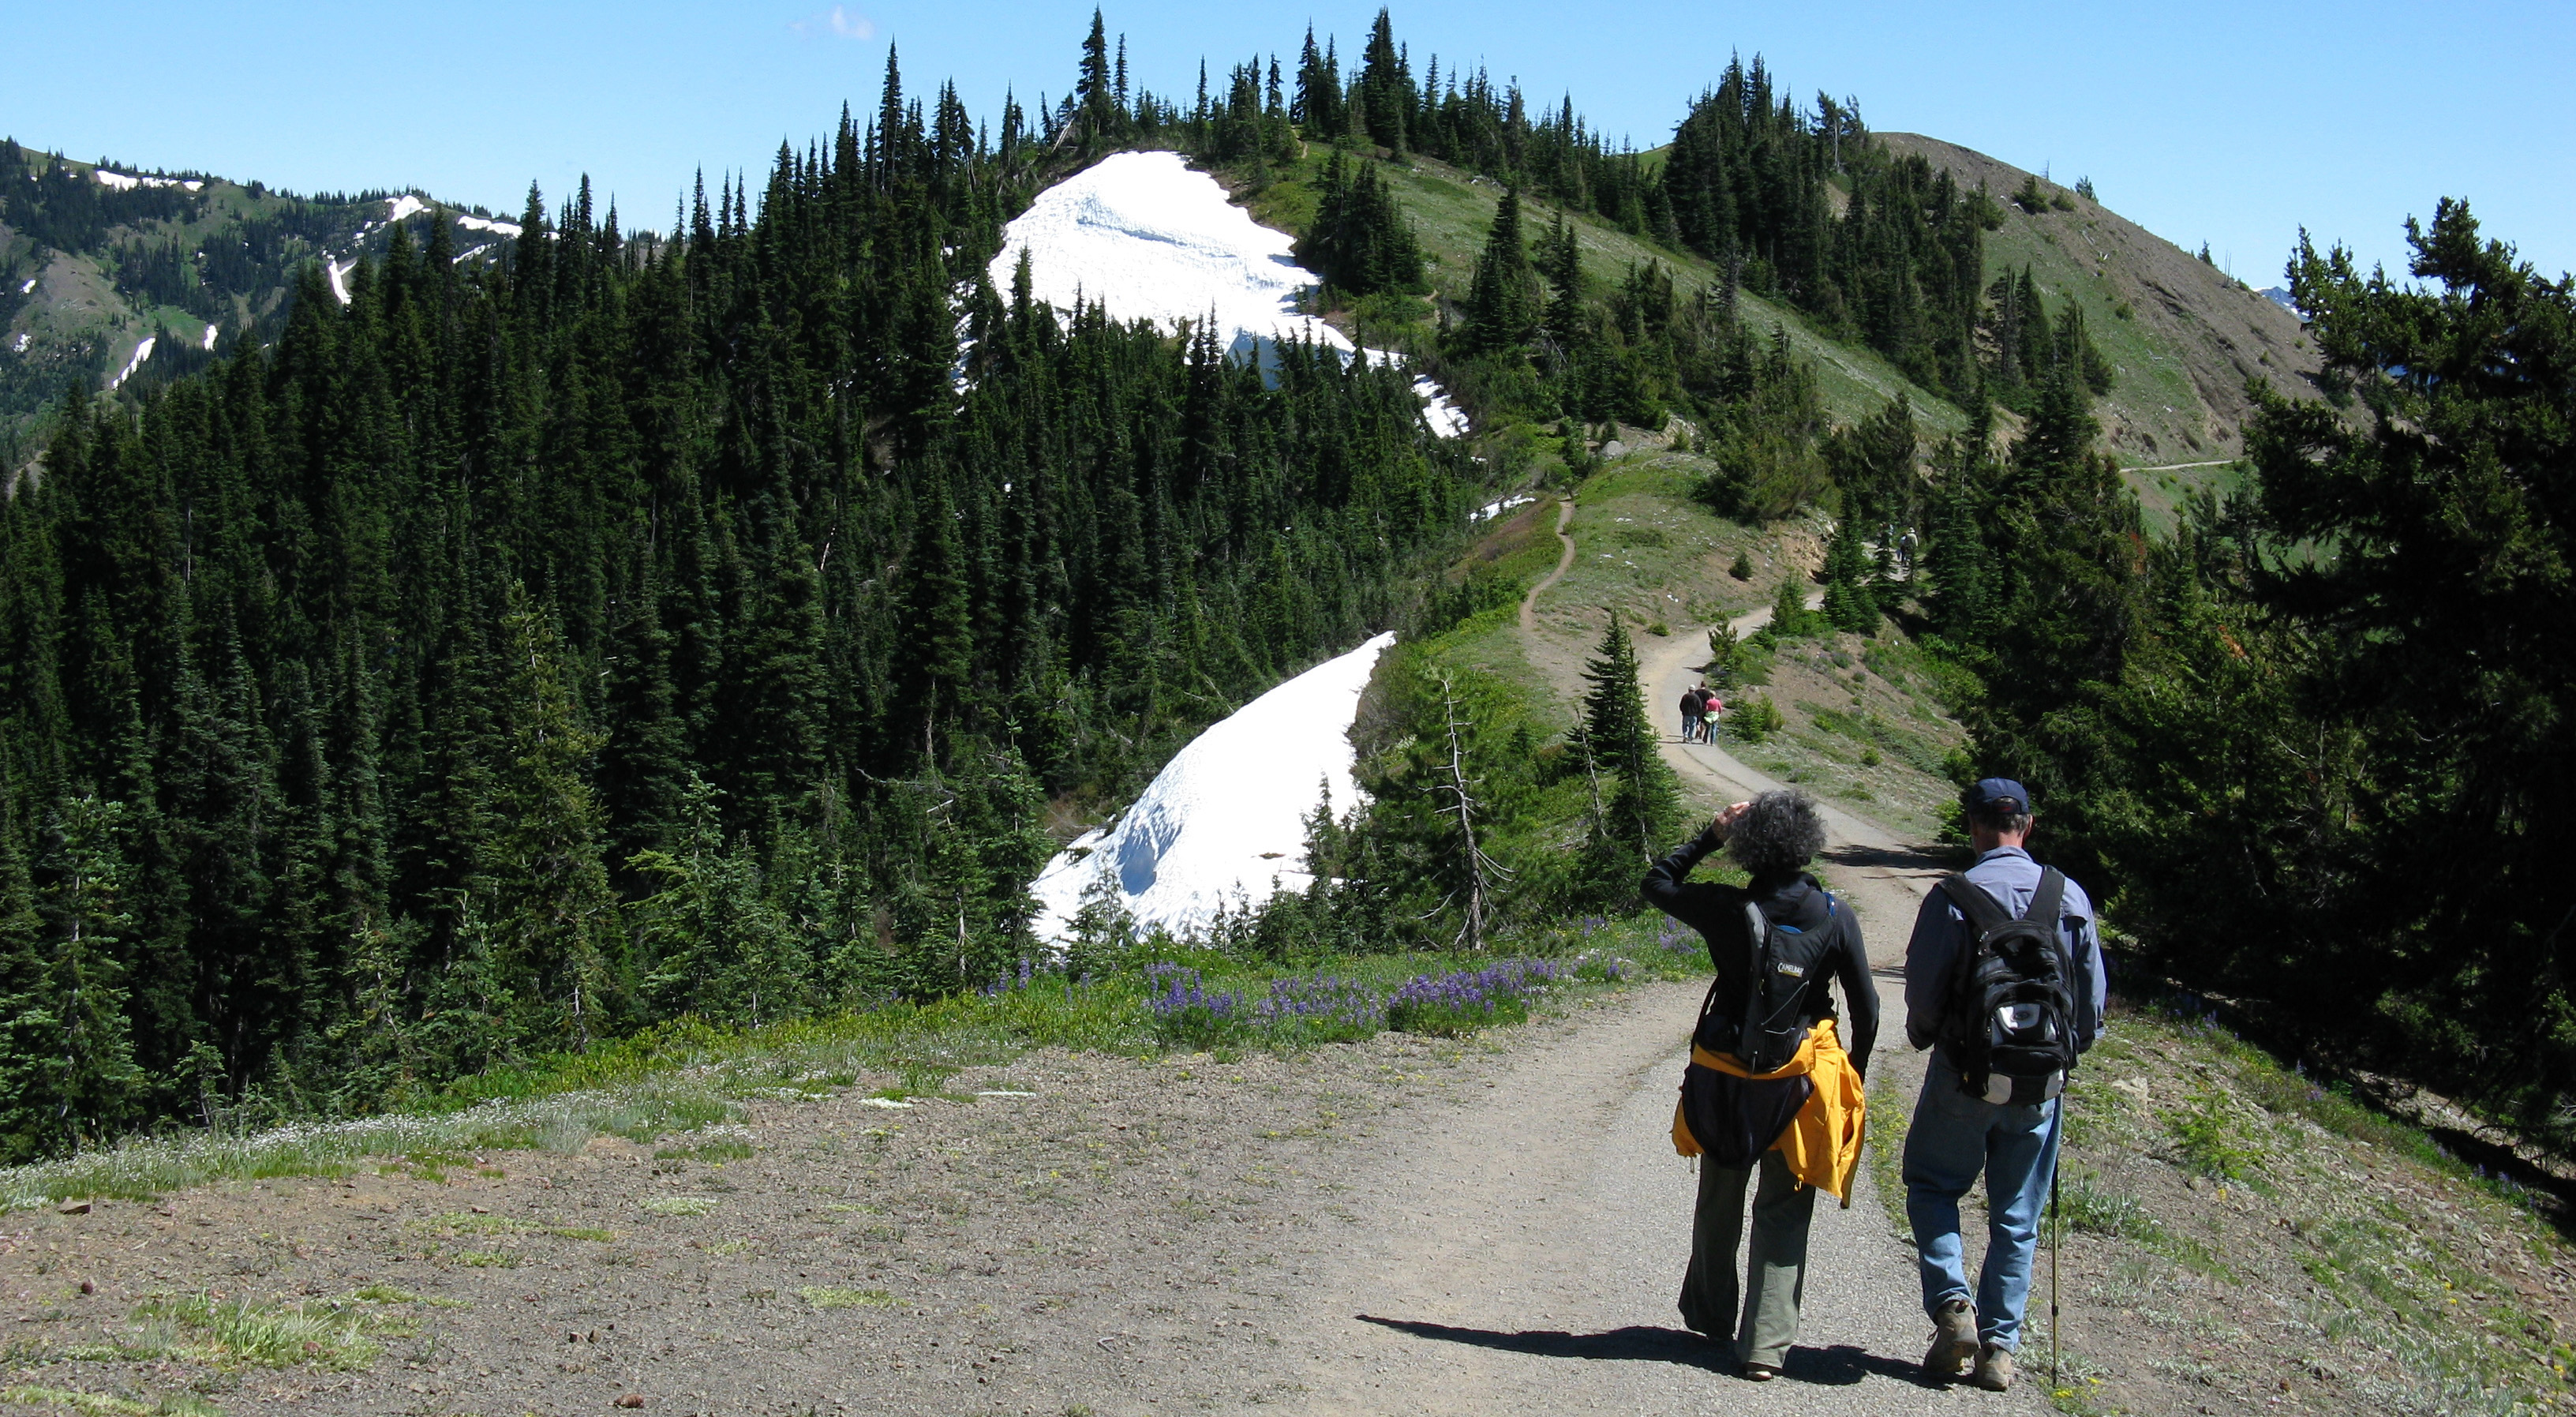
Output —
(2054, 1236)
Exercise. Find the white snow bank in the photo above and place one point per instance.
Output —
(123, 183)
(1447, 420)
(396, 208)
(1224, 821)
(1491, 510)
(1149, 239)
(29, 286)
(1143, 236)
(21, 346)
(339, 276)
(476, 223)
(142, 352)
(210, 337)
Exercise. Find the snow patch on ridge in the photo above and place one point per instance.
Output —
(499, 228)
(121, 182)
(1143, 236)
(396, 208)
(339, 276)
(1224, 821)
(142, 352)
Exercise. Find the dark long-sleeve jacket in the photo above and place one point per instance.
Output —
(1717, 913)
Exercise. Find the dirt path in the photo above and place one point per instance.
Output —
(1564, 562)
(1400, 1226)
(1524, 1255)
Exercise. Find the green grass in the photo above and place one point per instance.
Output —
(1450, 214)
(689, 1077)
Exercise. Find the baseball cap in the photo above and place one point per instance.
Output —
(1998, 794)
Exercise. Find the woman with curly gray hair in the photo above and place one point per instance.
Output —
(1773, 1085)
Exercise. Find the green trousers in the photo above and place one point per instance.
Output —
(1775, 1268)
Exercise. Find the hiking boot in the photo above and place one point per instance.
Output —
(1760, 1372)
(1994, 1368)
(1954, 1341)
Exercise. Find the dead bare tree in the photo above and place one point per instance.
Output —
(1479, 869)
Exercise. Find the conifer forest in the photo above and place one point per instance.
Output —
(706, 622)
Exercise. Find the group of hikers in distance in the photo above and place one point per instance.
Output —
(2003, 982)
(1700, 708)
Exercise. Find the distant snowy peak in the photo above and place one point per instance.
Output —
(2280, 295)
(1145, 238)
(400, 209)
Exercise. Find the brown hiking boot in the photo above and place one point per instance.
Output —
(1994, 1368)
(1954, 1341)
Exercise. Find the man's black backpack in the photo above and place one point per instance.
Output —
(2010, 1022)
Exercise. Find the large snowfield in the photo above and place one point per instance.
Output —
(1223, 824)
(1143, 236)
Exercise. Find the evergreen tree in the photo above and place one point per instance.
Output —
(1502, 301)
(1359, 242)
(1643, 804)
(1848, 602)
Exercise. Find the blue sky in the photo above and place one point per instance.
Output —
(2231, 123)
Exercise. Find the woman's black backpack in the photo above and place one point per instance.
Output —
(1784, 961)
(2010, 1022)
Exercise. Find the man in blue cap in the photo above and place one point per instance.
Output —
(1985, 1106)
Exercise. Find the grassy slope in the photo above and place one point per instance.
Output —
(1451, 212)
(2237, 1234)
(2192, 338)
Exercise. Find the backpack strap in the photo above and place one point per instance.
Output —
(1973, 902)
(2048, 903)
(1757, 933)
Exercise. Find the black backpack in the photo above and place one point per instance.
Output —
(1784, 960)
(2010, 1022)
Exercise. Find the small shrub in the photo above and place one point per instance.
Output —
(2208, 1138)
(1187, 1014)
(1755, 720)
(1447, 1005)
(2089, 1205)
(1741, 568)
(1658, 627)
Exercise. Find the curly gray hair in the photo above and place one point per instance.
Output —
(1779, 833)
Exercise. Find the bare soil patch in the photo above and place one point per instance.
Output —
(1067, 1233)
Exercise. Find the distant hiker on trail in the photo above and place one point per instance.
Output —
(1770, 1086)
(1690, 715)
(2004, 982)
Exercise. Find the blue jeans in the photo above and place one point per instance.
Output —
(1954, 1136)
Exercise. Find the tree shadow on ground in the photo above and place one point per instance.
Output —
(1838, 1366)
(1938, 859)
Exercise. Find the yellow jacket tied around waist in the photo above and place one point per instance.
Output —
(1822, 1143)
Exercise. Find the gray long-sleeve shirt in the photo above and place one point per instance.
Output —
(1940, 931)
